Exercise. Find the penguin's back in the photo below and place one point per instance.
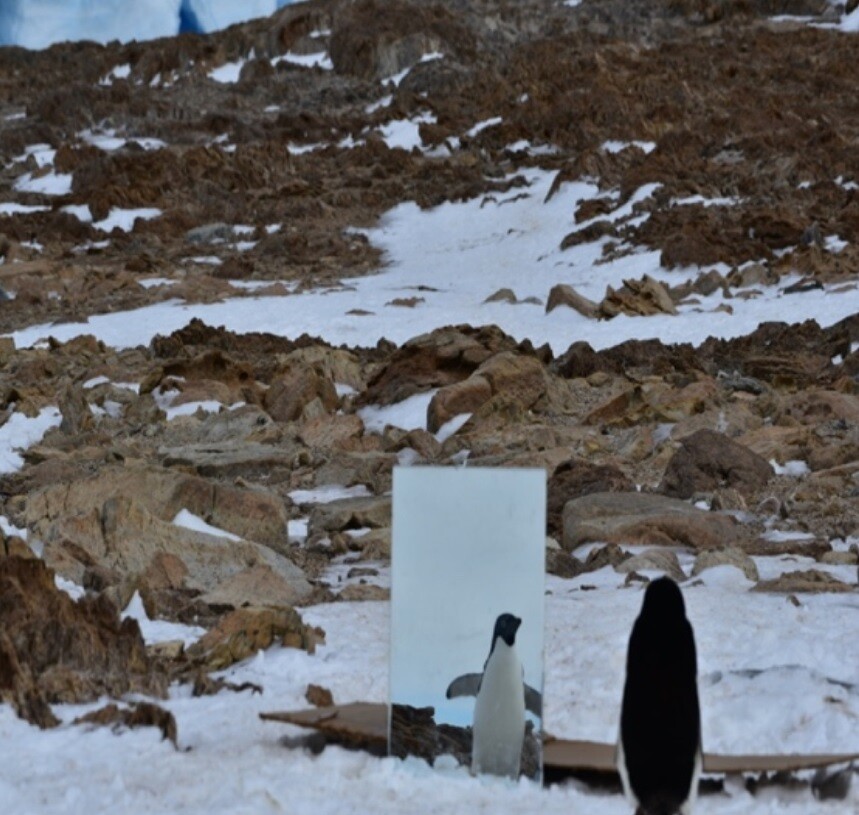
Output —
(660, 729)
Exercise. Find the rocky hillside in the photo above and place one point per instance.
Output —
(240, 164)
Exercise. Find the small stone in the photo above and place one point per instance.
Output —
(502, 296)
(661, 560)
(319, 696)
(726, 557)
(565, 295)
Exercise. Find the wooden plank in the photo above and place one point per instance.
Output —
(362, 722)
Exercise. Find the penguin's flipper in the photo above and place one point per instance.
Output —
(533, 701)
(465, 685)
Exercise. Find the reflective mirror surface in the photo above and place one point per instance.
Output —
(468, 563)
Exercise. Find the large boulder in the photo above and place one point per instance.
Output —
(434, 360)
(255, 514)
(707, 461)
(645, 519)
(300, 392)
(244, 632)
(123, 537)
(578, 477)
(53, 649)
(351, 513)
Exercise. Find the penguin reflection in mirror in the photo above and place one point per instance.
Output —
(659, 751)
(498, 731)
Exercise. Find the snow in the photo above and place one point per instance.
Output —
(794, 468)
(155, 631)
(11, 208)
(124, 219)
(228, 72)
(481, 126)
(48, 184)
(450, 427)
(409, 414)
(117, 72)
(317, 60)
(466, 251)
(20, 432)
(109, 141)
(327, 493)
(154, 282)
(617, 146)
(297, 527)
(188, 520)
(759, 691)
(80, 211)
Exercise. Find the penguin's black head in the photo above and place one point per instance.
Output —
(506, 627)
(663, 600)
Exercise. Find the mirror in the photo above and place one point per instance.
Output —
(467, 583)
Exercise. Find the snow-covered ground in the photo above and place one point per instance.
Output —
(459, 254)
(231, 762)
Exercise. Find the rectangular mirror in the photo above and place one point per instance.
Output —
(467, 584)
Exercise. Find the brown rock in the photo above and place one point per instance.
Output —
(232, 459)
(708, 461)
(609, 555)
(578, 477)
(579, 360)
(350, 513)
(643, 518)
(53, 649)
(75, 410)
(816, 406)
(732, 556)
(777, 442)
(562, 564)
(659, 560)
(502, 296)
(13, 546)
(373, 40)
(674, 404)
(319, 696)
(243, 632)
(563, 294)
(254, 514)
(434, 360)
(123, 535)
(461, 397)
(637, 297)
(363, 592)
(617, 407)
(291, 395)
(331, 431)
(812, 581)
(140, 714)
(259, 585)
(520, 379)
(337, 364)
(375, 545)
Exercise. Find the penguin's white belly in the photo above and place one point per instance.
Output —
(499, 715)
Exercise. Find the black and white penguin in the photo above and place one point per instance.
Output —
(659, 750)
(498, 731)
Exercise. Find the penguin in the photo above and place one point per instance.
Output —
(498, 731)
(659, 750)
